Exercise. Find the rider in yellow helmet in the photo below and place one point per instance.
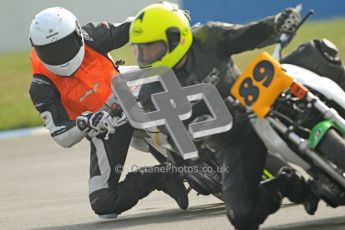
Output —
(161, 36)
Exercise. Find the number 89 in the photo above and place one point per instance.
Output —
(264, 70)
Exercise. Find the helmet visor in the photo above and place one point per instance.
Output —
(147, 53)
(61, 51)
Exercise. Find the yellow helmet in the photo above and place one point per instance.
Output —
(160, 35)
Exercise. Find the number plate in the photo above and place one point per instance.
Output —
(260, 84)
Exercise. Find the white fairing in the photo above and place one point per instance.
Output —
(324, 85)
(155, 139)
(139, 144)
(159, 141)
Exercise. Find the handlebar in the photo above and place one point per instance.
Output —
(285, 38)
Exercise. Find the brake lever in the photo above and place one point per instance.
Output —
(285, 38)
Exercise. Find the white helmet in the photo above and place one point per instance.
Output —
(56, 36)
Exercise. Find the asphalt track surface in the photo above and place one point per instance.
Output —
(44, 186)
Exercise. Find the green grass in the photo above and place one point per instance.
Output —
(17, 111)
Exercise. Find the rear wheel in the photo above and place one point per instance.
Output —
(333, 147)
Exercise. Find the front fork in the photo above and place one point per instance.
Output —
(307, 152)
(304, 146)
(328, 113)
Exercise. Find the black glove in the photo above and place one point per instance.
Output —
(99, 121)
(287, 21)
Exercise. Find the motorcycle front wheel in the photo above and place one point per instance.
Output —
(333, 147)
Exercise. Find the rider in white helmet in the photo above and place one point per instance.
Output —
(56, 36)
(72, 71)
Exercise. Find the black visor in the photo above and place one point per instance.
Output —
(61, 51)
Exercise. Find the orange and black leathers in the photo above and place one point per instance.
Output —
(87, 89)
(48, 93)
(107, 194)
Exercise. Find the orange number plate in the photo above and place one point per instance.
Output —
(260, 84)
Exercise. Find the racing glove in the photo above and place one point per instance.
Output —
(99, 122)
(287, 21)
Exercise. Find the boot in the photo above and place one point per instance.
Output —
(311, 203)
(174, 187)
(295, 188)
(270, 202)
(249, 214)
(170, 183)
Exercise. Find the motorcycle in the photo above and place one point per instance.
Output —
(298, 113)
(283, 139)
